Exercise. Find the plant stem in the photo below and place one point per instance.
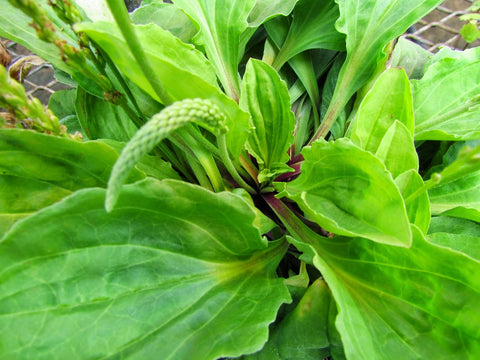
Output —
(293, 224)
(204, 157)
(120, 13)
(222, 144)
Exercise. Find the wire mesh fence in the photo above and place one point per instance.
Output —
(438, 29)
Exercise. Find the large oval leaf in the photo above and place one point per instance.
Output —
(418, 303)
(174, 272)
(348, 191)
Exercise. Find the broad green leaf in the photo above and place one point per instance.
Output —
(166, 16)
(265, 96)
(221, 24)
(348, 191)
(100, 119)
(411, 184)
(20, 197)
(313, 27)
(302, 333)
(411, 57)
(172, 266)
(434, 292)
(458, 234)
(369, 25)
(178, 65)
(183, 70)
(397, 150)
(418, 303)
(38, 170)
(69, 164)
(389, 99)
(447, 98)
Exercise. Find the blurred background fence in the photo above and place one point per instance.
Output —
(438, 29)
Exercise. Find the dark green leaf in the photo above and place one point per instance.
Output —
(100, 119)
(172, 266)
(302, 333)
(62, 104)
(347, 191)
(69, 164)
(447, 98)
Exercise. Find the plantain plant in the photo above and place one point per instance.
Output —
(264, 179)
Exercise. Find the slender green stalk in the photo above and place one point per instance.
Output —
(122, 19)
(199, 172)
(222, 144)
(205, 158)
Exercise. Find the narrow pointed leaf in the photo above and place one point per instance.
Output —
(369, 25)
(172, 266)
(221, 24)
(397, 150)
(389, 99)
(434, 291)
(447, 98)
(348, 191)
(265, 97)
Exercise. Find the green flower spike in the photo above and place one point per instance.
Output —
(200, 111)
